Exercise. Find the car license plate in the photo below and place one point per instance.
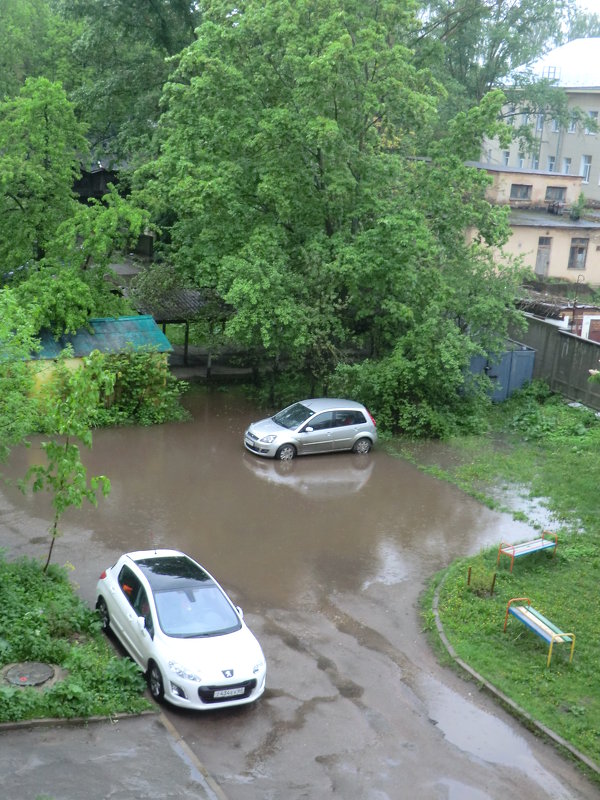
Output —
(229, 692)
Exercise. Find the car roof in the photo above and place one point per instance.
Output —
(330, 403)
(169, 569)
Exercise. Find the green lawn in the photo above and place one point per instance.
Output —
(550, 450)
(44, 621)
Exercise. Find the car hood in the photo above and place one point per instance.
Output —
(209, 656)
(265, 426)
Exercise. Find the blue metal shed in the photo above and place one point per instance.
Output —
(108, 335)
(511, 371)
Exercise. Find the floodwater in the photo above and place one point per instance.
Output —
(327, 555)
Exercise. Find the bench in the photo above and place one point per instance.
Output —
(544, 542)
(539, 625)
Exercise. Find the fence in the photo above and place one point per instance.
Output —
(563, 360)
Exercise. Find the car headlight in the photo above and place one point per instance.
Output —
(183, 672)
(269, 439)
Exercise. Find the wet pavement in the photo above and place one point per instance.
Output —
(137, 757)
(328, 556)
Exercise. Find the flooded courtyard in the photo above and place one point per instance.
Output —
(327, 555)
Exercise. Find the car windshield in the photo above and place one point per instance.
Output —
(292, 416)
(195, 611)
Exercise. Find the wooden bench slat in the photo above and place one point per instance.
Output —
(546, 541)
(539, 625)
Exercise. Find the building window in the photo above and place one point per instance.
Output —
(578, 253)
(572, 125)
(551, 163)
(506, 157)
(586, 166)
(521, 160)
(524, 119)
(535, 162)
(512, 111)
(551, 73)
(593, 115)
(567, 166)
(555, 126)
(520, 191)
(556, 193)
(539, 123)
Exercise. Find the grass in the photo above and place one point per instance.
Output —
(548, 449)
(43, 620)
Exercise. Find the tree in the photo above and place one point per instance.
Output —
(472, 46)
(69, 404)
(35, 41)
(271, 150)
(55, 250)
(17, 342)
(290, 165)
(40, 146)
(122, 50)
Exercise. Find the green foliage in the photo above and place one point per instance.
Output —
(40, 146)
(577, 208)
(17, 342)
(69, 404)
(144, 392)
(312, 222)
(43, 620)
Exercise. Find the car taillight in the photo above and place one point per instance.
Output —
(103, 575)
(372, 418)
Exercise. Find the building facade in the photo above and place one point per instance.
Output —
(573, 149)
(544, 236)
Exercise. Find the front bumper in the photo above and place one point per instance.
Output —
(254, 445)
(201, 697)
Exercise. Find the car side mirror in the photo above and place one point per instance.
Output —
(308, 429)
(141, 623)
(240, 612)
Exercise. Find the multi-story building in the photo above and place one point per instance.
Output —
(545, 237)
(571, 149)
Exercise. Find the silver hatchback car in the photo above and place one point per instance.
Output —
(319, 425)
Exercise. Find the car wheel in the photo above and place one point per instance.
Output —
(155, 682)
(103, 613)
(286, 452)
(362, 446)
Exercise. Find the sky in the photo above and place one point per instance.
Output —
(592, 6)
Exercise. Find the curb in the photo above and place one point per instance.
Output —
(210, 785)
(516, 709)
(51, 722)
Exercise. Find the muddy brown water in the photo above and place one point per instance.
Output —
(327, 555)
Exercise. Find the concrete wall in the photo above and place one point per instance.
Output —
(500, 190)
(524, 241)
(563, 360)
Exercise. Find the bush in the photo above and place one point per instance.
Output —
(43, 620)
(145, 391)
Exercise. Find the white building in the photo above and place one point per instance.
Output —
(570, 150)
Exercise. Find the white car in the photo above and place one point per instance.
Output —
(318, 425)
(180, 626)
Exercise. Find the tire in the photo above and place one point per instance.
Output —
(155, 682)
(103, 613)
(286, 452)
(362, 446)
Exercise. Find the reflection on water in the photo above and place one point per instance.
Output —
(322, 477)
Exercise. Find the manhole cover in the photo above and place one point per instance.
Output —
(29, 673)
